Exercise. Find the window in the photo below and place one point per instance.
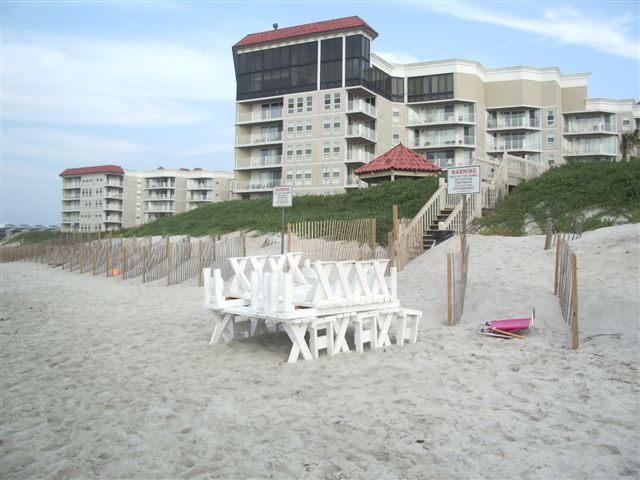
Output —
(326, 126)
(290, 129)
(551, 141)
(290, 106)
(626, 123)
(309, 103)
(299, 129)
(308, 152)
(336, 101)
(395, 115)
(336, 176)
(336, 125)
(336, 149)
(326, 151)
(396, 136)
(309, 128)
(430, 87)
(331, 63)
(299, 177)
(307, 176)
(326, 175)
(327, 101)
(290, 153)
(298, 153)
(290, 176)
(300, 104)
(551, 158)
(551, 118)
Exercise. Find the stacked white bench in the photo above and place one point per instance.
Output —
(323, 298)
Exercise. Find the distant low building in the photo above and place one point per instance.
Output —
(107, 197)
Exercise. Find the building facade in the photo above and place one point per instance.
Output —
(313, 104)
(107, 197)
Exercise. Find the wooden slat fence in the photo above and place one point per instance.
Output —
(552, 237)
(565, 286)
(457, 269)
(335, 240)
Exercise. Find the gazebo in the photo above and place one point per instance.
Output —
(399, 162)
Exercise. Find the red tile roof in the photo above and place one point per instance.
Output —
(399, 158)
(88, 170)
(307, 29)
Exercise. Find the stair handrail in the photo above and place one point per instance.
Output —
(409, 244)
(474, 210)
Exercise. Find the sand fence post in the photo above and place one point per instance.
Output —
(549, 236)
(289, 238)
(574, 302)
(123, 259)
(555, 278)
(143, 260)
(168, 254)
(449, 289)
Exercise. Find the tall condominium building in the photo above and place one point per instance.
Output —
(107, 197)
(314, 103)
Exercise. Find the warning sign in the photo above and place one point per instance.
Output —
(282, 196)
(463, 180)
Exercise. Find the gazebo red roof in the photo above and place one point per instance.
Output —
(399, 158)
(307, 29)
(69, 172)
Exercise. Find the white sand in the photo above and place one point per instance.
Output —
(109, 379)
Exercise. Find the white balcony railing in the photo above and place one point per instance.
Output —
(360, 106)
(260, 139)
(438, 118)
(160, 185)
(255, 185)
(262, 162)
(352, 181)
(361, 131)
(515, 145)
(467, 140)
(594, 128)
(161, 198)
(590, 150)
(264, 115)
(359, 156)
(513, 123)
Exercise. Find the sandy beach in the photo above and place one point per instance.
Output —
(104, 378)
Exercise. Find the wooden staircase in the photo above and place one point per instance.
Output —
(429, 237)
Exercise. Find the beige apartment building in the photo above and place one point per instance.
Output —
(314, 103)
(107, 197)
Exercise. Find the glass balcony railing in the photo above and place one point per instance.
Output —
(436, 118)
(261, 162)
(513, 123)
(359, 156)
(255, 185)
(361, 131)
(591, 128)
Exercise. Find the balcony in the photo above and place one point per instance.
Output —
(359, 156)
(74, 207)
(201, 198)
(256, 185)
(159, 185)
(361, 132)
(113, 219)
(116, 206)
(71, 220)
(439, 119)
(456, 142)
(352, 181)
(160, 198)
(159, 209)
(587, 150)
(515, 145)
(270, 115)
(359, 106)
(71, 196)
(572, 129)
(68, 185)
(112, 194)
(258, 140)
(207, 185)
(273, 161)
(114, 183)
(513, 124)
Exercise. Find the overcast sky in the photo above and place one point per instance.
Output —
(148, 84)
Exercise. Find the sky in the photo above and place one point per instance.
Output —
(143, 84)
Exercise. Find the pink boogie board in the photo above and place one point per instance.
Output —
(513, 324)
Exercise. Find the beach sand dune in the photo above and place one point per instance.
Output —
(104, 378)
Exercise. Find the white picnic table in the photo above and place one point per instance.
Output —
(323, 301)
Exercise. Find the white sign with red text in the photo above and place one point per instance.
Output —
(463, 180)
(282, 196)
